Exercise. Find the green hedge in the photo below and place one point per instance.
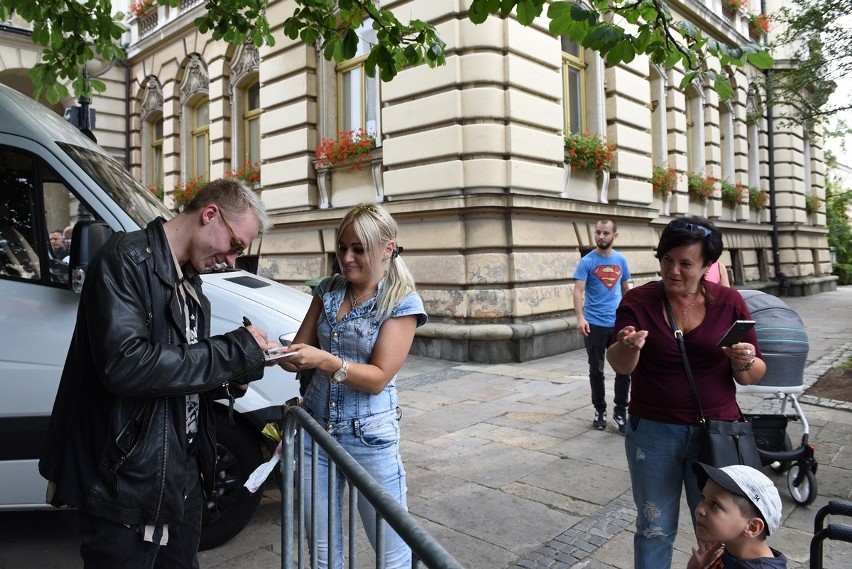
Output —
(843, 271)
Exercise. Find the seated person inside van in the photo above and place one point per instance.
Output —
(57, 244)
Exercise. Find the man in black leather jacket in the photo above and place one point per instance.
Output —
(131, 441)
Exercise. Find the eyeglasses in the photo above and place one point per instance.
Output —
(681, 225)
(237, 246)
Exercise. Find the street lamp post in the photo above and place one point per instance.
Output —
(83, 116)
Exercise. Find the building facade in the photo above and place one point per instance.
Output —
(471, 160)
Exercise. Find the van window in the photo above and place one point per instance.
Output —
(34, 202)
(123, 189)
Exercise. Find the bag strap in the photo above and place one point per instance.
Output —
(678, 334)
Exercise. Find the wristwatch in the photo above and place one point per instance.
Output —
(341, 374)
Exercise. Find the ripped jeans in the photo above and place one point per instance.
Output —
(660, 457)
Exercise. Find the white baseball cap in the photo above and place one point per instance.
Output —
(747, 482)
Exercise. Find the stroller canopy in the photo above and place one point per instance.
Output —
(781, 336)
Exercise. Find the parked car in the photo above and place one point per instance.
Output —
(51, 176)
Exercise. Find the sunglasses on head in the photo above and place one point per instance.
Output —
(237, 246)
(680, 225)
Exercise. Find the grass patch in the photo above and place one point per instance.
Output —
(845, 365)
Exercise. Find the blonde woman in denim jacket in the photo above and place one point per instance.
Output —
(356, 336)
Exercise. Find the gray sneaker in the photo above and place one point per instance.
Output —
(620, 423)
(599, 421)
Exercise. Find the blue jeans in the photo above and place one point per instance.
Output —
(598, 340)
(374, 443)
(660, 457)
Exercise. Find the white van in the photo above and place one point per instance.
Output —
(51, 176)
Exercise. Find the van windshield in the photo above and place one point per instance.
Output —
(139, 203)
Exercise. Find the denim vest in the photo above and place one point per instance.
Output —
(352, 339)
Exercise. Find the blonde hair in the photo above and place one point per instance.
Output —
(234, 197)
(375, 228)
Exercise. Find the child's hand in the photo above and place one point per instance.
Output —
(704, 554)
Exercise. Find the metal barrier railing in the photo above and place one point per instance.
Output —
(423, 546)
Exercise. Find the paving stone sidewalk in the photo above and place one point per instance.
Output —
(505, 470)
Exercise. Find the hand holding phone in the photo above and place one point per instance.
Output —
(736, 333)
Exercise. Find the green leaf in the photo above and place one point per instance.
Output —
(52, 94)
(528, 10)
(330, 47)
(97, 85)
(478, 11)
(349, 45)
(760, 59)
(412, 55)
(723, 87)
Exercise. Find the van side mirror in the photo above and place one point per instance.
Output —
(87, 238)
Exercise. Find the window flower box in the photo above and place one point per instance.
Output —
(248, 173)
(731, 7)
(758, 25)
(757, 198)
(350, 150)
(732, 194)
(700, 187)
(812, 204)
(157, 191)
(183, 192)
(663, 180)
(588, 152)
(141, 7)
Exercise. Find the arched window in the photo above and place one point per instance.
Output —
(754, 118)
(659, 128)
(195, 120)
(726, 142)
(573, 86)
(156, 170)
(694, 130)
(151, 114)
(200, 134)
(245, 106)
(357, 94)
(807, 159)
(251, 123)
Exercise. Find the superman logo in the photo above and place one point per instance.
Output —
(609, 275)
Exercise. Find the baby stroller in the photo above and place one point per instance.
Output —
(784, 344)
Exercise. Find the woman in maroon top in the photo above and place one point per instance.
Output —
(662, 428)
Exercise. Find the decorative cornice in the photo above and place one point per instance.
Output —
(152, 101)
(196, 80)
(247, 61)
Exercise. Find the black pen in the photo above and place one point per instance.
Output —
(246, 321)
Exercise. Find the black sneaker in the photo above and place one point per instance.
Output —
(599, 421)
(620, 423)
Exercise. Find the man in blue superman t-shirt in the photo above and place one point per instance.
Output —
(602, 277)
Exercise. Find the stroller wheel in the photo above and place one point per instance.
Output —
(781, 466)
(806, 491)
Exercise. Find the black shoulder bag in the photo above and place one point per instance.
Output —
(723, 442)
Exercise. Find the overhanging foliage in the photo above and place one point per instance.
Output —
(71, 33)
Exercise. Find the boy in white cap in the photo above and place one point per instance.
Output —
(740, 506)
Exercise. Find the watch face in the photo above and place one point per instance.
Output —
(340, 375)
